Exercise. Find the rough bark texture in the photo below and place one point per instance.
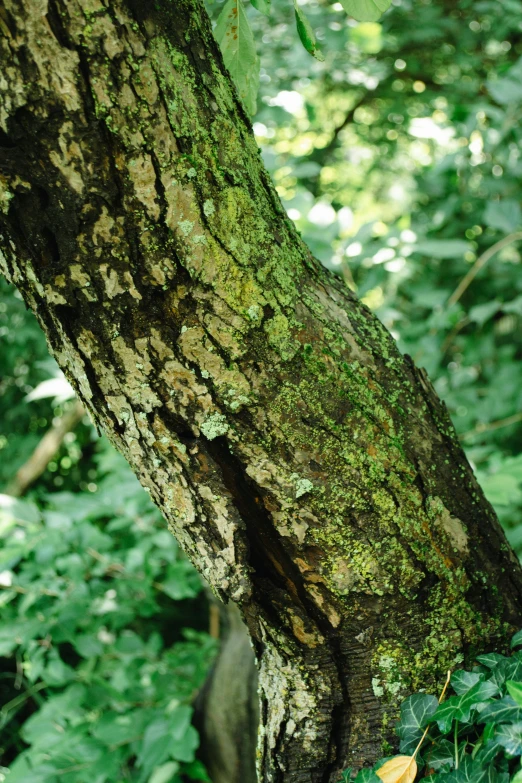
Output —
(307, 468)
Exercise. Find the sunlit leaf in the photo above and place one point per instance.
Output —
(515, 691)
(366, 10)
(442, 248)
(306, 34)
(263, 6)
(401, 769)
(503, 215)
(238, 47)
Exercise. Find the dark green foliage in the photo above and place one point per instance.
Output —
(87, 612)
(474, 735)
(102, 648)
(416, 713)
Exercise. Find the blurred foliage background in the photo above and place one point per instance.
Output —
(400, 159)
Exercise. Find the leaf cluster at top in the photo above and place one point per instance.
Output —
(235, 37)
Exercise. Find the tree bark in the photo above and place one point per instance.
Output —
(307, 468)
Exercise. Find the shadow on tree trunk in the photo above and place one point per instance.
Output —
(227, 712)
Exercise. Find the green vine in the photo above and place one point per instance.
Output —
(473, 736)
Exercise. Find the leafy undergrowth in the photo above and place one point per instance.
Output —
(474, 736)
(99, 675)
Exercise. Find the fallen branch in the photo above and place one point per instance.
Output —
(45, 451)
(481, 262)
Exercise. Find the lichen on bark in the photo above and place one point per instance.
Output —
(306, 467)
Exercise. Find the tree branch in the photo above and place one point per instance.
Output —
(45, 451)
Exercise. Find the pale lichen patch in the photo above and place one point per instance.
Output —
(70, 161)
(452, 526)
(143, 176)
(214, 426)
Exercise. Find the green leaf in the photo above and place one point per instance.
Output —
(504, 710)
(184, 747)
(367, 776)
(459, 707)
(489, 752)
(236, 40)
(515, 691)
(366, 10)
(155, 748)
(263, 6)
(196, 771)
(113, 728)
(441, 755)
(510, 737)
(490, 660)
(472, 771)
(508, 90)
(164, 773)
(416, 713)
(483, 312)
(462, 681)
(515, 306)
(306, 34)
(508, 669)
(442, 248)
(504, 215)
(57, 672)
(516, 641)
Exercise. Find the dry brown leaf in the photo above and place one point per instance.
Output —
(401, 769)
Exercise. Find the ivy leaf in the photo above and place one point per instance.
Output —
(416, 712)
(237, 44)
(490, 660)
(515, 691)
(504, 710)
(510, 737)
(263, 6)
(516, 641)
(459, 707)
(367, 776)
(507, 669)
(306, 34)
(462, 681)
(489, 752)
(442, 755)
(366, 10)
(400, 769)
(471, 771)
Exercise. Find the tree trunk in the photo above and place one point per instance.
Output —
(307, 468)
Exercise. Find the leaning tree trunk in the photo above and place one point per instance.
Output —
(307, 468)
